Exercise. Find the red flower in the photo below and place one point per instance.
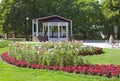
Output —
(55, 67)
(68, 69)
(49, 67)
(75, 69)
(102, 70)
(35, 66)
(62, 68)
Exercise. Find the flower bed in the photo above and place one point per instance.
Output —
(101, 70)
(53, 53)
(75, 47)
(4, 43)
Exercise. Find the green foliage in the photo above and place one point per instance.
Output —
(1, 36)
(78, 61)
(78, 36)
(47, 53)
(84, 14)
(111, 11)
(51, 59)
(52, 53)
(67, 59)
(2, 50)
(4, 43)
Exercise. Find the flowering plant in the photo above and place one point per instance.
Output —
(53, 53)
(101, 70)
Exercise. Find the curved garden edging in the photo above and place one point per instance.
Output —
(101, 70)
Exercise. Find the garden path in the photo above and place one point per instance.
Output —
(97, 43)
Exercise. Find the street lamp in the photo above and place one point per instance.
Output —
(27, 18)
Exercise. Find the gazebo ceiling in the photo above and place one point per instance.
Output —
(54, 18)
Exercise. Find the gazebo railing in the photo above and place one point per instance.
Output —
(52, 35)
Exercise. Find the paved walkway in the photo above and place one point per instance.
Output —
(97, 43)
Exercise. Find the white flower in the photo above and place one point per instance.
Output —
(76, 49)
(71, 46)
(38, 52)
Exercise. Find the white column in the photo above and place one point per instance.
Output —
(67, 30)
(62, 31)
(43, 30)
(58, 30)
(48, 31)
(36, 27)
(71, 27)
(32, 28)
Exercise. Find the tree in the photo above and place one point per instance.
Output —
(111, 10)
(84, 13)
(5, 7)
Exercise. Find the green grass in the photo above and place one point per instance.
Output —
(13, 73)
(111, 56)
(2, 50)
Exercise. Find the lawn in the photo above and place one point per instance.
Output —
(111, 56)
(13, 73)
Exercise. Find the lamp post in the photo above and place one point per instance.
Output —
(27, 18)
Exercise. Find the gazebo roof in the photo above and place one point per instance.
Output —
(54, 18)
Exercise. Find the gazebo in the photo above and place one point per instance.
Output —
(51, 28)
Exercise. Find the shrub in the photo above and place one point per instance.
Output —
(51, 60)
(66, 59)
(53, 53)
(78, 36)
(78, 61)
(4, 43)
(1, 36)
